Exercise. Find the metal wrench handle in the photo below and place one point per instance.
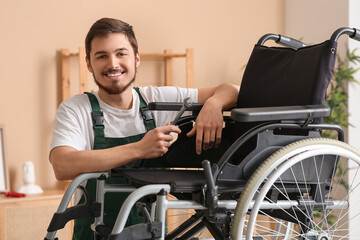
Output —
(186, 105)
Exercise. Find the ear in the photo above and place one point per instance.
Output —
(88, 64)
(137, 60)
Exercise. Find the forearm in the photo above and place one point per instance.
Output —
(68, 162)
(224, 95)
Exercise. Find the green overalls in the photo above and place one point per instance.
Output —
(113, 201)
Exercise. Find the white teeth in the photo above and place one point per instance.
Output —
(113, 74)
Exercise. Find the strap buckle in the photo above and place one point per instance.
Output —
(97, 118)
(146, 114)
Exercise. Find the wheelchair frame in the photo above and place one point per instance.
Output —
(219, 211)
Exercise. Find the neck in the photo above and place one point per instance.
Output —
(121, 101)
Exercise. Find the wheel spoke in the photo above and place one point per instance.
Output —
(301, 172)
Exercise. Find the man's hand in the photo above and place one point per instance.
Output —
(208, 126)
(68, 162)
(156, 142)
(209, 123)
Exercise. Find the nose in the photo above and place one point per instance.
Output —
(113, 62)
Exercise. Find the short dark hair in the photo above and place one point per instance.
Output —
(105, 26)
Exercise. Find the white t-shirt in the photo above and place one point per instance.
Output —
(73, 125)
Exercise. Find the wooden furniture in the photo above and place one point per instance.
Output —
(167, 56)
(65, 72)
(29, 217)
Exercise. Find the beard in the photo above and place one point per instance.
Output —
(114, 89)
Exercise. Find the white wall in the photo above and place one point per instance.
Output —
(354, 89)
(354, 118)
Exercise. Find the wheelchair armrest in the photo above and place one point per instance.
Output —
(172, 106)
(279, 113)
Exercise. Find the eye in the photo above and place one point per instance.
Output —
(101, 57)
(121, 54)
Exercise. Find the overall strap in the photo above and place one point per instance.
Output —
(97, 118)
(145, 112)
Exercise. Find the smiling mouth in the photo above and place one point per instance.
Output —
(114, 74)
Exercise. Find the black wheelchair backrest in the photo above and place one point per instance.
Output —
(278, 76)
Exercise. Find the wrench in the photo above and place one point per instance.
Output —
(186, 105)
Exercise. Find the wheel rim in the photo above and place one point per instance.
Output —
(317, 223)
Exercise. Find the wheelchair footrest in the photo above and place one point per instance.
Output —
(59, 220)
(139, 231)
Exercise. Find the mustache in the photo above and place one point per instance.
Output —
(112, 70)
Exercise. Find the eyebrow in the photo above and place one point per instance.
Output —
(116, 50)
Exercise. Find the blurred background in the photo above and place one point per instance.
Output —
(221, 33)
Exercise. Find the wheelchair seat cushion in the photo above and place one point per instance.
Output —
(180, 180)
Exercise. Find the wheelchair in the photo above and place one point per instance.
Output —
(273, 177)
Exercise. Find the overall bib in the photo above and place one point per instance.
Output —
(113, 201)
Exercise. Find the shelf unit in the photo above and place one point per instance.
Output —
(29, 217)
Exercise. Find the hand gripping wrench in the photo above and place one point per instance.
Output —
(186, 105)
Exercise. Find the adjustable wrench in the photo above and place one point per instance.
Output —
(186, 105)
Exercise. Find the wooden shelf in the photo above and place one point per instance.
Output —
(47, 195)
(29, 217)
(82, 81)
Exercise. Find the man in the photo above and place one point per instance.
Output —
(81, 143)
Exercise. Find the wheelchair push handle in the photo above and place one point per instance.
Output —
(282, 40)
(351, 32)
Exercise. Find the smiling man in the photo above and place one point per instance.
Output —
(114, 78)
(81, 143)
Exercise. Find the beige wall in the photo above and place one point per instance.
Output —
(315, 21)
(222, 34)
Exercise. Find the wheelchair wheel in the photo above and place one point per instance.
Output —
(302, 192)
